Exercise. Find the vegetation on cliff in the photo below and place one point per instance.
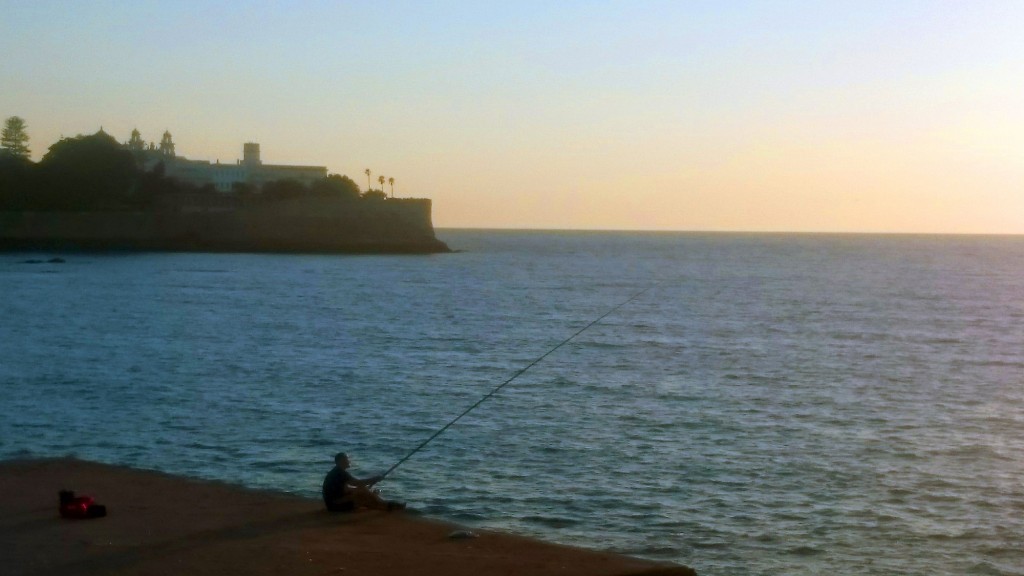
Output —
(96, 173)
(92, 193)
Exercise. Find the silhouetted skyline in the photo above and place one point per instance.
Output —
(772, 116)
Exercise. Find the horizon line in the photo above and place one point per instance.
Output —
(709, 231)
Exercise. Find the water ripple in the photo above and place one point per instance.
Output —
(778, 405)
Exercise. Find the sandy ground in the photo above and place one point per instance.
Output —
(159, 524)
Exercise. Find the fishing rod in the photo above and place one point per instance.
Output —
(514, 376)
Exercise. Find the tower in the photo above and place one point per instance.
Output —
(251, 153)
(136, 144)
(167, 145)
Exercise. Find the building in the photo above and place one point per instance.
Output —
(223, 177)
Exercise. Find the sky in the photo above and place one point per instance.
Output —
(783, 116)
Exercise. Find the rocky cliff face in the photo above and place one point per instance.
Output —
(307, 225)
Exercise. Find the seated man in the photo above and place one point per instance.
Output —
(344, 493)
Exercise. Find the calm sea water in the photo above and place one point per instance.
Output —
(772, 404)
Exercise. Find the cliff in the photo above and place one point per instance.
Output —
(310, 225)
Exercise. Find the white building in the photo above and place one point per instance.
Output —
(249, 170)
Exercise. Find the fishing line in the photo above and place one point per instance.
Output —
(514, 376)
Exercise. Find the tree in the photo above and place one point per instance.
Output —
(17, 180)
(367, 179)
(381, 180)
(154, 187)
(336, 186)
(88, 173)
(284, 189)
(243, 189)
(14, 139)
(392, 182)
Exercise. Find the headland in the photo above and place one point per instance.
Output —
(93, 193)
(394, 226)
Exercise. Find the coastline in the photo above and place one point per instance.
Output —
(162, 524)
(312, 225)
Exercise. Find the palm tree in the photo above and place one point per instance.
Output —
(392, 182)
(381, 180)
(367, 179)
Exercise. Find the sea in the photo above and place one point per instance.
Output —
(745, 404)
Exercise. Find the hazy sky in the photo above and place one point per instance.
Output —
(890, 116)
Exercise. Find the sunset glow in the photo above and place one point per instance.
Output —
(761, 116)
